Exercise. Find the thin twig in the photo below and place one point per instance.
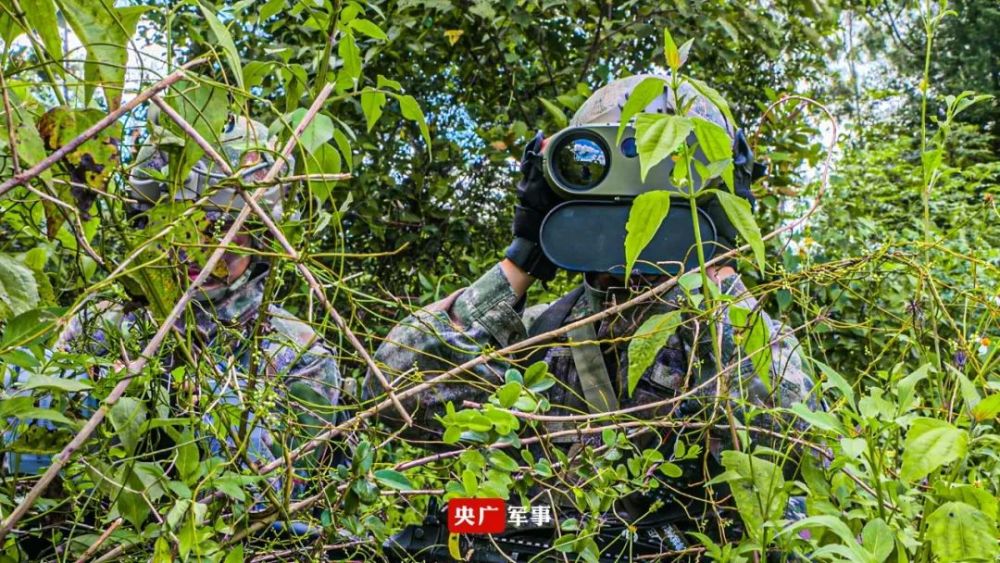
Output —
(293, 254)
(100, 540)
(93, 130)
(134, 368)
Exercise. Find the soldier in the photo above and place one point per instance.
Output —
(240, 358)
(591, 373)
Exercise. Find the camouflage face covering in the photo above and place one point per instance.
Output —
(245, 144)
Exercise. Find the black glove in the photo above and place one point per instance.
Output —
(535, 199)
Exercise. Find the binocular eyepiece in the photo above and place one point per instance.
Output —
(586, 162)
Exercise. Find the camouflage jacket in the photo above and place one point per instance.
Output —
(487, 315)
(294, 369)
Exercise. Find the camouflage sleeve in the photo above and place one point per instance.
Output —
(295, 355)
(444, 335)
(787, 382)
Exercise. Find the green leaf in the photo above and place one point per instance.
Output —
(713, 96)
(325, 160)
(205, 107)
(369, 28)
(759, 491)
(411, 110)
(647, 341)
(671, 470)
(351, 55)
(35, 413)
(502, 461)
(878, 539)
(658, 136)
(930, 444)
(508, 394)
(18, 288)
(235, 554)
(372, 102)
(394, 479)
(906, 388)
(644, 218)
(715, 142)
(41, 15)
(40, 381)
(754, 337)
(670, 51)
(643, 95)
(987, 409)
(187, 457)
(959, 532)
(105, 31)
(226, 42)
(556, 113)
(835, 380)
(317, 133)
(819, 419)
(231, 486)
(741, 216)
(127, 416)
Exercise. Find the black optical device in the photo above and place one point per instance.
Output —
(599, 177)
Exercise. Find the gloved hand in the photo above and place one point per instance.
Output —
(535, 199)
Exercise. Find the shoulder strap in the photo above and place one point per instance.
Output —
(551, 319)
(594, 378)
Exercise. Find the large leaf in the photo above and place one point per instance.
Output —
(351, 55)
(372, 102)
(42, 381)
(225, 41)
(325, 160)
(317, 133)
(759, 490)
(369, 28)
(658, 136)
(205, 107)
(959, 532)
(930, 444)
(41, 15)
(410, 109)
(127, 417)
(754, 337)
(713, 96)
(878, 539)
(717, 146)
(556, 113)
(640, 97)
(18, 289)
(741, 216)
(644, 218)
(647, 341)
(394, 479)
(105, 31)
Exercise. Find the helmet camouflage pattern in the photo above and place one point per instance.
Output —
(605, 105)
(245, 143)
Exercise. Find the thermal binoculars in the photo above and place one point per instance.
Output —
(599, 177)
(585, 162)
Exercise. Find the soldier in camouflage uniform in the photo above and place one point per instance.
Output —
(233, 337)
(491, 314)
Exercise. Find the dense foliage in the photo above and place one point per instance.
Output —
(891, 284)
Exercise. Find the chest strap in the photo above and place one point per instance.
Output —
(594, 379)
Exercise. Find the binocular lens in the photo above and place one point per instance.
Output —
(581, 162)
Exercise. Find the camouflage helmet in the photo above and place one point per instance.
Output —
(606, 104)
(244, 143)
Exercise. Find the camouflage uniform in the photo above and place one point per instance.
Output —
(488, 315)
(292, 360)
